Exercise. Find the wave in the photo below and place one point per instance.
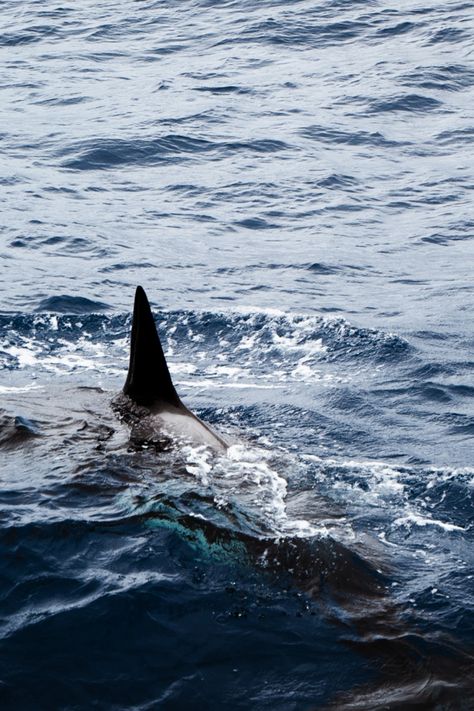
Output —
(98, 154)
(243, 342)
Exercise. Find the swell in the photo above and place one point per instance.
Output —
(111, 153)
(253, 335)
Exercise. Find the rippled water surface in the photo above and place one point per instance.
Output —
(292, 184)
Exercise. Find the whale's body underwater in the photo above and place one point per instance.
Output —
(149, 401)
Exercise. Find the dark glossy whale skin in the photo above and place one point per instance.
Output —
(149, 401)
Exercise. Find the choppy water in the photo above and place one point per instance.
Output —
(292, 184)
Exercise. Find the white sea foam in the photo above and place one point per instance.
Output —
(380, 485)
(419, 520)
(207, 384)
(177, 368)
(246, 476)
(5, 389)
(25, 355)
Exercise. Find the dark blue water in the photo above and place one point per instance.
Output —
(292, 184)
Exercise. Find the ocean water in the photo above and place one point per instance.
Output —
(292, 185)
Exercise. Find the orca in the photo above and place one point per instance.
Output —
(149, 402)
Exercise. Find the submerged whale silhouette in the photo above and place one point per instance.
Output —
(149, 401)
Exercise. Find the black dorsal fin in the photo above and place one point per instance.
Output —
(148, 381)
